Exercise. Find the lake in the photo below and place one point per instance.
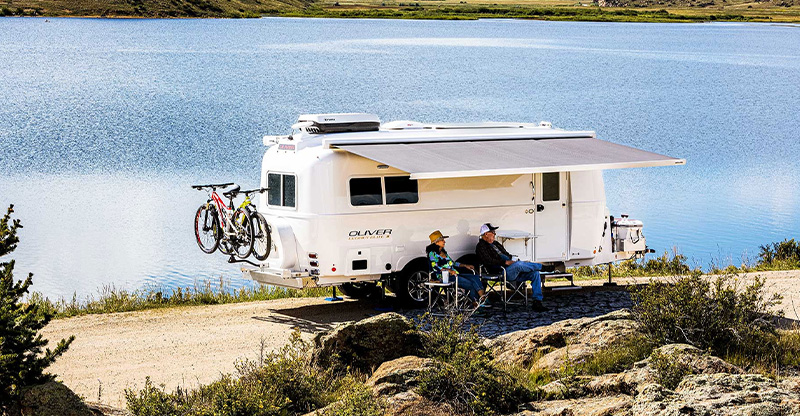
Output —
(105, 123)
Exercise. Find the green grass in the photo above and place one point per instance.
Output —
(110, 299)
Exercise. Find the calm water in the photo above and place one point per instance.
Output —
(105, 123)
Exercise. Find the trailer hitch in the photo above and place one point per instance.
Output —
(234, 260)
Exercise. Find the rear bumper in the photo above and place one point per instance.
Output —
(279, 277)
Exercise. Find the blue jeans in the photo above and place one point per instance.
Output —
(471, 283)
(522, 271)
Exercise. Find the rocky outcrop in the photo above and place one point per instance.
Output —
(718, 394)
(398, 375)
(548, 347)
(51, 399)
(409, 403)
(366, 344)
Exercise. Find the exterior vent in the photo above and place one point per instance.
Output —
(337, 123)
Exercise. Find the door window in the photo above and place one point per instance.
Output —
(551, 190)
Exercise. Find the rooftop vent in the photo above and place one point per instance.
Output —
(337, 123)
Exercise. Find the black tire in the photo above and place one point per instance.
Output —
(206, 229)
(409, 287)
(243, 244)
(262, 236)
(360, 290)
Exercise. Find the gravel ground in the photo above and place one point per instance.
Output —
(193, 345)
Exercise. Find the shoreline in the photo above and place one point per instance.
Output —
(471, 13)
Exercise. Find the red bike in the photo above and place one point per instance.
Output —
(219, 225)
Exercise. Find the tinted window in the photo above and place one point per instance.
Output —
(401, 190)
(288, 190)
(365, 191)
(274, 193)
(550, 188)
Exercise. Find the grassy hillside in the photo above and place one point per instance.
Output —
(593, 10)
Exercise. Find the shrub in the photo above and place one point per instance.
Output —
(22, 359)
(618, 356)
(464, 375)
(785, 253)
(668, 371)
(715, 314)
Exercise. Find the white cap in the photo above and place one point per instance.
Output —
(485, 228)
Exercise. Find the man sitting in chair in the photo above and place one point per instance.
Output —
(491, 253)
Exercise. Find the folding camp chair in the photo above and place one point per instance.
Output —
(445, 298)
(496, 276)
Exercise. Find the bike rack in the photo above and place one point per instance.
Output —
(234, 260)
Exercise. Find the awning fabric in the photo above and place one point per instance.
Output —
(434, 160)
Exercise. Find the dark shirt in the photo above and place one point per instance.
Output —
(491, 254)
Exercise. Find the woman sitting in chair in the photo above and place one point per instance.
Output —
(441, 261)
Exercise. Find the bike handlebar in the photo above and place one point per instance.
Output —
(213, 185)
(250, 191)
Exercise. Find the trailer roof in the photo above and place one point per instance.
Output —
(558, 151)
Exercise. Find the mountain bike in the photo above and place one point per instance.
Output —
(218, 225)
(262, 234)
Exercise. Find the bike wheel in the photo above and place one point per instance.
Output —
(206, 229)
(262, 238)
(244, 233)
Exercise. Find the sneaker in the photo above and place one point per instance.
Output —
(537, 306)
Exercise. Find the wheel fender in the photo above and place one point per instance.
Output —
(284, 254)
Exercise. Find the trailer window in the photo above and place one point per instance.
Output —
(274, 193)
(366, 191)
(550, 186)
(401, 190)
(281, 190)
(288, 191)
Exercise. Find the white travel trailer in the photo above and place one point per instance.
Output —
(351, 201)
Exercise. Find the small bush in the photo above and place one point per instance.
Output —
(23, 356)
(715, 314)
(785, 253)
(617, 357)
(668, 371)
(464, 375)
(665, 265)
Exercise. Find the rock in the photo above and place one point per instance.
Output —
(409, 403)
(592, 406)
(366, 344)
(695, 359)
(548, 347)
(718, 394)
(398, 375)
(51, 399)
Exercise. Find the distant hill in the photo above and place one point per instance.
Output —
(150, 8)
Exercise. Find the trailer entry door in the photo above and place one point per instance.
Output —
(550, 216)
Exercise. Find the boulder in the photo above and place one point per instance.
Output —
(548, 347)
(51, 399)
(409, 403)
(398, 375)
(591, 406)
(696, 360)
(366, 344)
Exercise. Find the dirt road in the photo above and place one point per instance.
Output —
(194, 345)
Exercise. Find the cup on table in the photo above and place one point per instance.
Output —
(445, 276)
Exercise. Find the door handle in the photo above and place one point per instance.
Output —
(539, 207)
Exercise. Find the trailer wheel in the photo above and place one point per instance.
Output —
(359, 290)
(410, 288)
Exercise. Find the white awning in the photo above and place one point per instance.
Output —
(434, 160)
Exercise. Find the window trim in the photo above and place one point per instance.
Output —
(281, 206)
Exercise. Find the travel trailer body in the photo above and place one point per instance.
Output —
(352, 202)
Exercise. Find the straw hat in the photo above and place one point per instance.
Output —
(437, 235)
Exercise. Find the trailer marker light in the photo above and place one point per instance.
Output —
(333, 269)
(312, 255)
(314, 263)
